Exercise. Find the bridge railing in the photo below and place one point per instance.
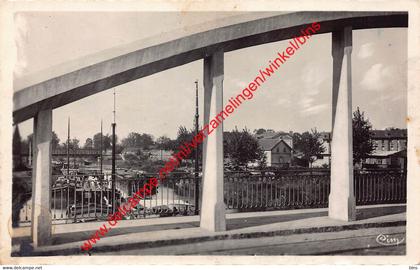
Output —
(294, 189)
(81, 198)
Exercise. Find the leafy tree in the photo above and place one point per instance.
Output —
(185, 136)
(262, 131)
(55, 141)
(362, 140)
(16, 146)
(164, 143)
(106, 141)
(262, 163)
(134, 139)
(118, 148)
(241, 147)
(310, 144)
(73, 144)
(88, 143)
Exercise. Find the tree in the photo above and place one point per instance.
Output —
(241, 148)
(73, 144)
(16, 145)
(262, 131)
(164, 143)
(362, 140)
(106, 141)
(55, 141)
(185, 136)
(88, 143)
(310, 144)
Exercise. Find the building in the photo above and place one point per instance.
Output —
(159, 154)
(278, 152)
(324, 159)
(286, 137)
(390, 149)
(390, 140)
(387, 159)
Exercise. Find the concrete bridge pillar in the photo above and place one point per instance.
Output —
(342, 205)
(41, 179)
(212, 214)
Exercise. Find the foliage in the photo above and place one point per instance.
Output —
(309, 144)
(262, 131)
(165, 143)
(362, 141)
(73, 144)
(106, 141)
(134, 139)
(241, 148)
(55, 141)
(88, 143)
(185, 136)
(16, 146)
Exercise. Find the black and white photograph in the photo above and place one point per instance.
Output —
(208, 133)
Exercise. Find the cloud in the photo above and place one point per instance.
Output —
(312, 77)
(306, 102)
(366, 50)
(378, 77)
(307, 106)
(238, 83)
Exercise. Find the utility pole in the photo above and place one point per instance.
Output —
(30, 153)
(68, 148)
(68, 173)
(197, 193)
(113, 159)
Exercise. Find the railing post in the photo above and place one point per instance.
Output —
(342, 204)
(41, 179)
(212, 214)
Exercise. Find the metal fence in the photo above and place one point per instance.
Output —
(293, 189)
(80, 198)
(380, 186)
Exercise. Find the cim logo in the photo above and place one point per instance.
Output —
(387, 240)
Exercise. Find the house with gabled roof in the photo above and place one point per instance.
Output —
(277, 152)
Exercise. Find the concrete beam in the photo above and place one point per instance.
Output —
(41, 179)
(212, 214)
(342, 205)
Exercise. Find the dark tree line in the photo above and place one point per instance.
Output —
(240, 147)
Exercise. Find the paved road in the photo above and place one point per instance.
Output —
(357, 242)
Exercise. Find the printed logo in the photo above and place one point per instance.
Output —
(387, 240)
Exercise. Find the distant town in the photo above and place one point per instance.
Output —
(244, 149)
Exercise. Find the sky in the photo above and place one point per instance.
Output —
(297, 99)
